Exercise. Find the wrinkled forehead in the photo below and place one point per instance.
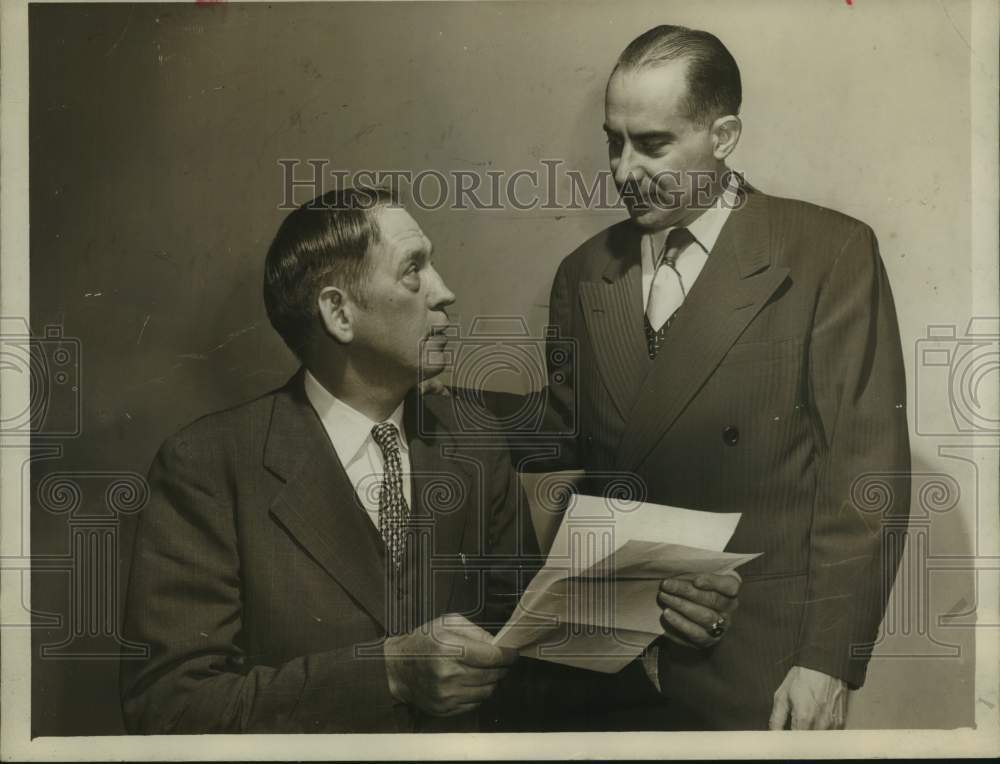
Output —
(399, 233)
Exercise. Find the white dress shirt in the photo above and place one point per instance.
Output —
(350, 432)
(705, 230)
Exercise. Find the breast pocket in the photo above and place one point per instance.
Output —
(763, 352)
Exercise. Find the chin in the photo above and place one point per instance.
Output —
(434, 358)
(651, 219)
(433, 361)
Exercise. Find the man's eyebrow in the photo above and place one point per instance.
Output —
(646, 135)
(417, 254)
(654, 135)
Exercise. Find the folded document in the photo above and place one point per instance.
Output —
(593, 605)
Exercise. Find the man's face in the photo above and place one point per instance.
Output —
(403, 314)
(654, 147)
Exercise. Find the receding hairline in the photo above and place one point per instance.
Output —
(639, 67)
(684, 58)
(687, 97)
(625, 69)
(711, 76)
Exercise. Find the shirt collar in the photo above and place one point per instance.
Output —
(349, 430)
(705, 229)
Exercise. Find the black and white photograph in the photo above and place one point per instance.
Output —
(443, 380)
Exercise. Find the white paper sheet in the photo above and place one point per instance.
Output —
(593, 605)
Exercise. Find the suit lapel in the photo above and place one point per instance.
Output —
(612, 308)
(734, 285)
(437, 519)
(318, 505)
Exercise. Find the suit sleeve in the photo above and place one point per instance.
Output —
(556, 445)
(184, 602)
(858, 393)
(562, 403)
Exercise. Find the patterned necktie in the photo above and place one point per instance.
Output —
(667, 291)
(393, 512)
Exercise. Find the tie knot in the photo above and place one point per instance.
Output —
(386, 436)
(677, 239)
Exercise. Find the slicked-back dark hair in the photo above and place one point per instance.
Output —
(325, 242)
(714, 88)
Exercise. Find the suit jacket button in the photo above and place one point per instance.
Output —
(731, 435)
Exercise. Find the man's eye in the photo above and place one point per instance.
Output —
(411, 276)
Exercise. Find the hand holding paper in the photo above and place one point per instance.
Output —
(692, 607)
(595, 602)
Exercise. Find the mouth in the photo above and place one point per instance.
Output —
(438, 335)
(638, 209)
(635, 201)
(434, 352)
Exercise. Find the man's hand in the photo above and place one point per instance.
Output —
(445, 669)
(814, 700)
(692, 607)
(434, 386)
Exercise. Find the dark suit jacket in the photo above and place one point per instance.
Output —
(779, 393)
(259, 582)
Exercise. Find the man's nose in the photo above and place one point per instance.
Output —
(441, 295)
(626, 167)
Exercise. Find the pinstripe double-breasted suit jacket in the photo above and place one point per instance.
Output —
(779, 393)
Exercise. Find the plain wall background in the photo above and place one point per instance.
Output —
(155, 135)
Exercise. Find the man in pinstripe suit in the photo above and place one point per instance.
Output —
(738, 352)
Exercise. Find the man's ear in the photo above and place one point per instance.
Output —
(725, 135)
(336, 314)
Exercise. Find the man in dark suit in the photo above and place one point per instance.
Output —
(329, 556)
(738, 352)
(281, 584)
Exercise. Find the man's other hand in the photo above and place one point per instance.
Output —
(813, 700)
(698, 611)
(445, 667)
(434, 386)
